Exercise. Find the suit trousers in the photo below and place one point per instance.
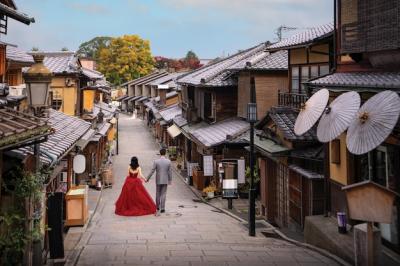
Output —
(161, 194)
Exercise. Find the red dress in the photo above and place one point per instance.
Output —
(134, 199)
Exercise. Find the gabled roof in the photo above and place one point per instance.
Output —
(359, 81)
(218, 133)
(165, 79)
(135, 81)
(263, 144)
(216, 74)
(67, 131)
(285, 118)
(150, 79)
(92, 74)
(304, 38)
(14, 54)
(264, 60)
(170, 112)
(61, 62)
(17, 128)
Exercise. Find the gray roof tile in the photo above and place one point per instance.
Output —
(61, 62)
(285, 118)
(216, 74)
(216, 134)
(305, 37)
(377, 80)
(14, 54)
(264, 60)
(170, 112)
(68, 130)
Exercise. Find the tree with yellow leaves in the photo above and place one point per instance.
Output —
(125, 58)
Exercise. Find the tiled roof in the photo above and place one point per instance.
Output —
(108, 110)
(306, 37)
(165, 79)
(14, 54)
(264, 61)
(377, 80)
(263, 144)
(121, 98)
(216, 74)
(285, 118)
(315, 153)
(150, 76)
(218, 133)
(180, 121)
(169, 95)
(92, 74)
(17, 128)
(304, 172)
(170, 112)
(68, 130)
(61, 62)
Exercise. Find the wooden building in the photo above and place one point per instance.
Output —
(291, 170)
(209, 101)
(367, 61)
(291, 167)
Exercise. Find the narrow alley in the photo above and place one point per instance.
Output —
(189, 233)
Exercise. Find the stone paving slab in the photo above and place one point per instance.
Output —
(190, 233)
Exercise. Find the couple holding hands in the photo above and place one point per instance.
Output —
(134, 199)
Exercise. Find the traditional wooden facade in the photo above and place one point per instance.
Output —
(367, 61)
(210, 105)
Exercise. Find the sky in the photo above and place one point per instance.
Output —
(210, 28)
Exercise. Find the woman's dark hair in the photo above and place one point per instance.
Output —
(134, 163)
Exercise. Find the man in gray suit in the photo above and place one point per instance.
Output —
(163, 169)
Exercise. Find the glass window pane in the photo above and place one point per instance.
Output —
(305, 73)
(323, 70)
(314, 71)
(295, 72)
(295, 86)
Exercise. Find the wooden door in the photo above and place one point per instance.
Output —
(270, 192)
(282, 201)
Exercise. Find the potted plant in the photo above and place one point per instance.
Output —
(210, 191)
(244, 188)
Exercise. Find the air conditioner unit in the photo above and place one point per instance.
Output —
(69, 82)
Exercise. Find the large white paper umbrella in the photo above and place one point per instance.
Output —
(373, 123)
(311, 111)
(338, 116)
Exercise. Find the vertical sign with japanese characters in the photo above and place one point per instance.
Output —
(208, 164)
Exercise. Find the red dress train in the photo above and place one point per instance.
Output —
(134, 199)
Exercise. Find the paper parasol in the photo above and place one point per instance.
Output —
(311, 111)
(374, 122)
(338, 116)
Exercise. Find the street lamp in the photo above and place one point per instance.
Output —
(38, 79)
(252, 119)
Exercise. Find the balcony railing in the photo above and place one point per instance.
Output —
(293, 100)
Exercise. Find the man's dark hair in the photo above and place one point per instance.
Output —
(163, 152)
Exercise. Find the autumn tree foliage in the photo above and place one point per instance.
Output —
(125, 58)
(189, 62)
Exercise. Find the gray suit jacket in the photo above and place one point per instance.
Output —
(163, 170)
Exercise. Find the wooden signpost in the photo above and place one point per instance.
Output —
(370, 202)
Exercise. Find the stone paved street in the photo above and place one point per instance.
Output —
(189, 233)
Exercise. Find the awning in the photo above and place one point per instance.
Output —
(174, 131)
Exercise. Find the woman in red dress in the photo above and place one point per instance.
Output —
(134, 199)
